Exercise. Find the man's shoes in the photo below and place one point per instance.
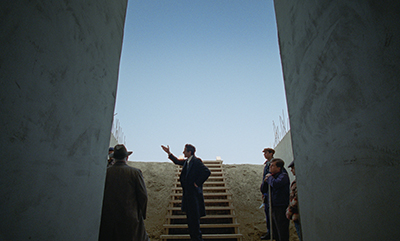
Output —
(266, 236)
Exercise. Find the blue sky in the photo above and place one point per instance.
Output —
(201, 72)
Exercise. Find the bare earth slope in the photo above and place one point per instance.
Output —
(243, 182)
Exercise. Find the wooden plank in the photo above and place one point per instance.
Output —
(205, 183)
(211, 167)
(213, 172)
(207, 194)
(214, 165)
(212, 161)
(209, 208)
(205, 236)
(205, 217)
(204, 188)
(214, 183)
(208, 201)
(214, 187)
(217, 174)
(222, 178)
(213, 225)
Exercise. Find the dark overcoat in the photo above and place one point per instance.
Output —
(197, 173)
(280, 191)
(124, 205)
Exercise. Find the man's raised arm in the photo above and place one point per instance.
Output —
(171, 156)
(166, 149)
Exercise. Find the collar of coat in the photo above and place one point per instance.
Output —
(267, 162)
(278, 173)
(120, 163)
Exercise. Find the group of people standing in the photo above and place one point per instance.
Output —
(125, 196)
(279, 198)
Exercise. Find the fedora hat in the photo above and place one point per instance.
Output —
(120, 152)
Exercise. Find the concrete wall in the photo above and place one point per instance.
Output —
(113, 141)
(284, 151)
(341, 69)
(58, 70)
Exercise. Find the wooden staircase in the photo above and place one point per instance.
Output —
(220, 222)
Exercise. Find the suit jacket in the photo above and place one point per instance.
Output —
(265, 172)
(124, 205)
(197, 173)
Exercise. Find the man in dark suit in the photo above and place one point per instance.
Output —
(194, 174)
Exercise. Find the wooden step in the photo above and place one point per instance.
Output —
(213, 178)
(216, 178)
(209, 208)
(221, 216)
(214, 183)
(206, 162)
(205, 217)
(207, 201)
(204, 188)
(205, 236)
(214, 165)
(176, 183)
(207, 194)
(221, 225)
(217, 174)
(211, 168)
(216, 171)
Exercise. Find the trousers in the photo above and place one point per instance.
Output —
(193, 219)
(280, 224)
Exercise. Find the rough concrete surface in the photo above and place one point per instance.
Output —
(58, 70)
(341, 70)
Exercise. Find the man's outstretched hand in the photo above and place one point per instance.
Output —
(166, 149)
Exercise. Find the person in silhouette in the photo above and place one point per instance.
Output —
(194, 174)
(124, 201)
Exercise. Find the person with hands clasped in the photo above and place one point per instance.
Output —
(278, 180)
(194, 174)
